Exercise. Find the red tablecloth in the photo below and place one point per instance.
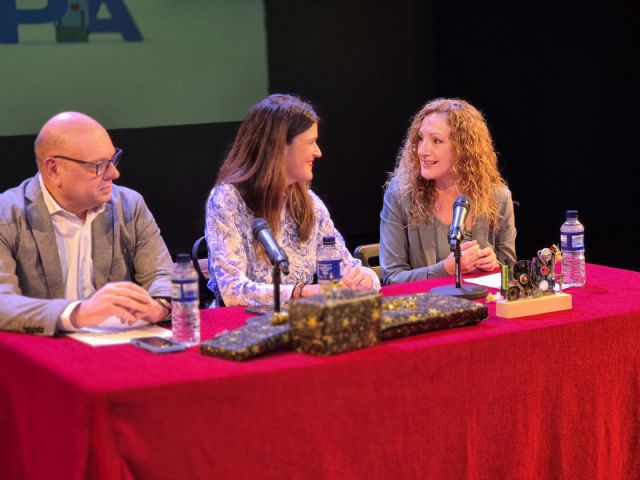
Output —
(548, 396)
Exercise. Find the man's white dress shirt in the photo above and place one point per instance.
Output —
(73, 237)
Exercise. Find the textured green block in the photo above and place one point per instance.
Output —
(246, 342)
(341, 321)
(334, 343)
(405, 315)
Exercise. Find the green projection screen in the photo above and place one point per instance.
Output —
(130, 63)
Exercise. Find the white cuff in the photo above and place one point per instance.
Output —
(64, 322)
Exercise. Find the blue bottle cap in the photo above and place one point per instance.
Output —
(329, 240)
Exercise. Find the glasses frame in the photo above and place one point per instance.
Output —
(115, 160)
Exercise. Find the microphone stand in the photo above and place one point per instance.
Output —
(457, 255)
(275, 278)
(468, 291)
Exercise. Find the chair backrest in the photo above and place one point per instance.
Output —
(369, 255)
(200, 260)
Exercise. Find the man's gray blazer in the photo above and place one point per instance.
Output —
(126, 246)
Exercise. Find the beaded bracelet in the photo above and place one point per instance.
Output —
(297, 290)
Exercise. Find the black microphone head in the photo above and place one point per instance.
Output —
(258, 225)
(461, 201)
(284, 266)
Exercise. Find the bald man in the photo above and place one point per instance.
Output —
(76, 250)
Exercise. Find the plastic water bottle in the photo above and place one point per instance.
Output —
(572, 246)
(185, 311)
(329, 265)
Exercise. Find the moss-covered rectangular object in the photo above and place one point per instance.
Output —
(405, 315)
(338, 322)
(334, 343)
(246, 342)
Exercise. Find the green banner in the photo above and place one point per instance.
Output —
(134, 63)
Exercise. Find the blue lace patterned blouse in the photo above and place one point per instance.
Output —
(238, 275)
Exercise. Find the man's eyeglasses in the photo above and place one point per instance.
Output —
(101, 167)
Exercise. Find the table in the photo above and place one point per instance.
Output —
(549, 396)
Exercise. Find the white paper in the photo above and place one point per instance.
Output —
(114, 323)
(105, 335)
(494, 280)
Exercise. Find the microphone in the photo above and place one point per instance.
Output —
(262, 233)
(460, 212)
(456, 234)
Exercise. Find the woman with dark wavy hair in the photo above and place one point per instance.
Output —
(448, 151)
(266, 174)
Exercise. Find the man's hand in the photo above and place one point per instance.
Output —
(156, 312)
(356, 278)
(125, 300)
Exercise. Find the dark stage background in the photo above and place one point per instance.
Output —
(557, 83)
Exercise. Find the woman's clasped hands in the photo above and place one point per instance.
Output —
(472, 258)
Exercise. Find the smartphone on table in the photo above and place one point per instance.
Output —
(158, 344)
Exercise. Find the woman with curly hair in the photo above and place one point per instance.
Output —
(448, 151)
(266, 174)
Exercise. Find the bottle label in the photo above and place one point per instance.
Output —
(185, 290)
(571, 242)
(329, 270)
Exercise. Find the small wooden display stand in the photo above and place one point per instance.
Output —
(533, 306)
